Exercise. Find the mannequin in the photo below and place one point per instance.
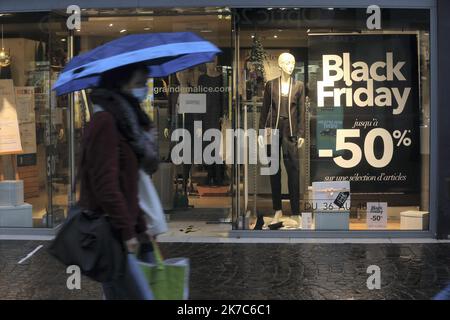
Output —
(185, 82)
(212, 81)
(283, 109)
(178, 120)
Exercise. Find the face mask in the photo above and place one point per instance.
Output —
(140, 93)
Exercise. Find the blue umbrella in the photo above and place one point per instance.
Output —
(164, 53)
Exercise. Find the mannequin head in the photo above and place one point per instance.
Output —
(183, 77)
(286, 61)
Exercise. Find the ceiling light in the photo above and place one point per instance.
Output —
(144, 18)
(145, 12)
(146, 28)
(5, 57)
(123, 30)
(275, 36)
(110, 24)
(63, 39)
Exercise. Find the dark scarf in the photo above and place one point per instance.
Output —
(133, 124)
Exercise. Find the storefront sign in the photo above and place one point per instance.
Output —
(365, 107)
(9, 126)
(337, 68)
(377, 215)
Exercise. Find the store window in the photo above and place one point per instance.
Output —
(189, 191)
(351, 106)
(34, 165)
(343, 110)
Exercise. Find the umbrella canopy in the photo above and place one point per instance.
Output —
(164, 53)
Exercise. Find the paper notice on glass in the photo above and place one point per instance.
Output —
(192, 103)
(10, 142)
(27, 118)
(25, 104)
(9, 137)
(28, 137)
(377, 215)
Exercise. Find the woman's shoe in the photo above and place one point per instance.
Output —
(275, 226)
(259, 222)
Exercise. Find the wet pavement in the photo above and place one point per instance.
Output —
(254, 271)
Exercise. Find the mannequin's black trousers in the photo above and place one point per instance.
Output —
(289, 146)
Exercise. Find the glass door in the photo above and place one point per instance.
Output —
(199, 189)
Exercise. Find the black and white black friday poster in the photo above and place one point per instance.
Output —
(365, 111)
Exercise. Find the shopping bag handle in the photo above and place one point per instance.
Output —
(157, 254)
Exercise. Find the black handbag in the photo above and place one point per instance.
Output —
(86, 239)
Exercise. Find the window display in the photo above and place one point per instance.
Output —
(344, 111)
(282, 118)
(353, 119)
(198, 94)
(32, 145)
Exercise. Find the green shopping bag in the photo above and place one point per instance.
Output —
(168, 279)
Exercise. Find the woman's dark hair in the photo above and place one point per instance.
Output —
(116, 78)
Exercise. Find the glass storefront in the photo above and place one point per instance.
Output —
(189, 187)
(353, 119)
(323, 124)
(33, 147)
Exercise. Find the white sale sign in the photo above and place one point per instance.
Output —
(306, 220)
(377, 215)
(192, 103)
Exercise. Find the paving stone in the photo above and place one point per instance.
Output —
(254, 271)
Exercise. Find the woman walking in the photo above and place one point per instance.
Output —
(119, 141)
